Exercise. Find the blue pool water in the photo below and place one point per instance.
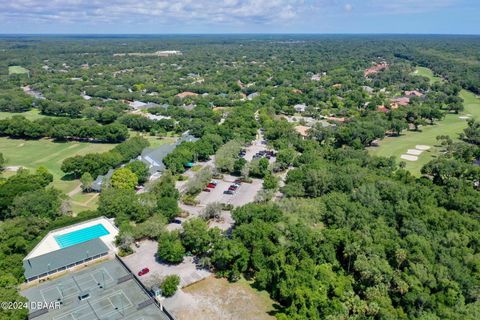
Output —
(82, 235)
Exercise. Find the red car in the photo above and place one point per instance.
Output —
(211, 185)
(143, 272)
(232, 187)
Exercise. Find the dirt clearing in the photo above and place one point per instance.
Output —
(214, 298)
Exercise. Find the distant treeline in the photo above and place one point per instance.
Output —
(62, 129)
(99, 163)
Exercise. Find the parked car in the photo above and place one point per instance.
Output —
(211, 186)
(238, 181)
(213, 182)
(177, 221)
(144, 271)
(207, 190)
(228, 192)
(233, 188)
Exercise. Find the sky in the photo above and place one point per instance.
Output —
(239, 16)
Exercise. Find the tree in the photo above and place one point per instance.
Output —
(259, 168)
(124, 178)
(199, 181)
(165, 186)
(121, 204)
(2, 162)
(140, 169)
(227, 155)
(170, 248)
(168, 207)
(397, 126)
(285, 158)
(44, 203)
(124, 241)
(195, 236)
(270, 181)
(239, 165)
(87, 181)
(471, 134)
(212, 210)
(22, 182)
(169, 285)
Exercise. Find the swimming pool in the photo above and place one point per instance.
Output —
(82, 235)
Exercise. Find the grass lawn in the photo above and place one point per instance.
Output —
(17, 70)
(34, 153)
(84, 201)
(30, 115)
(154, 140)
(426, 72)
(451, 125)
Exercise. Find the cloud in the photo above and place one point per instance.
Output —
(161, 11)
(407, 6)
(203, 12)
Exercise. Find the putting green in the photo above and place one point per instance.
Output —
(451, 125)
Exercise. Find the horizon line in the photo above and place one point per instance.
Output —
(238, 33)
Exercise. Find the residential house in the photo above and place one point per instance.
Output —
(185, 94)
(153, 157)
(368, 89)
(99, 183)
(253, 95)
(399, 102)
(413, 93)
(300, 107)
(382, 109)
(375, 69)
(302, 130)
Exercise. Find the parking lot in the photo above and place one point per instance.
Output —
(244, 194)
(258, 145)
(145, 257)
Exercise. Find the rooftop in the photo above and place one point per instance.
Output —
(302, 130)
(61, 258)
(98, 183)
(186, 94)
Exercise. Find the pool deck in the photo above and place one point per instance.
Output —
(49, 244)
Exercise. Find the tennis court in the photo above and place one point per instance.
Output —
(105, 291)
(73, 286)
(104, 308)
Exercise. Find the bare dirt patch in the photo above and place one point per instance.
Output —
(214, 298)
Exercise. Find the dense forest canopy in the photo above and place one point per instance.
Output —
(354, 236)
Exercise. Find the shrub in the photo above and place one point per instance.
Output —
(169, 285)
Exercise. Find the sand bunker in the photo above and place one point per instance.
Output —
(409, 157)
(464, 117)
(414, 152)
(422, 147)
(13, 168)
